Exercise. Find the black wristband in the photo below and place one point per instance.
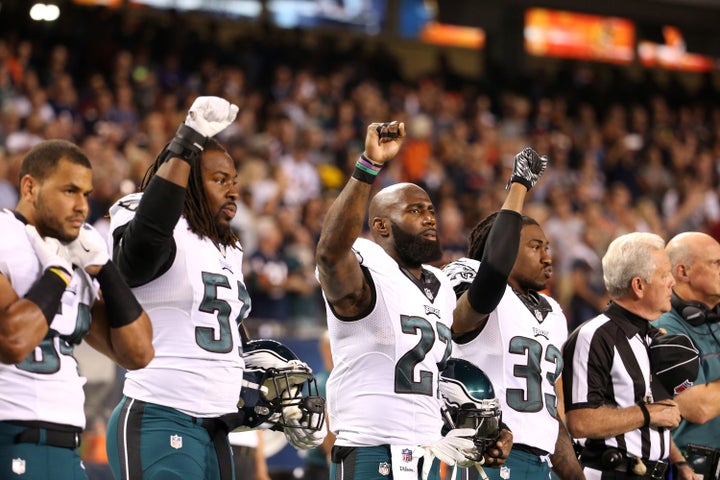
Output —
(519, 179)
(363, 176)
(120, 302)
(366, 170)
(646, 415)
(46, 293)
(187, 144)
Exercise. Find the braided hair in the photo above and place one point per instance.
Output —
(479, 234)
(196, 209)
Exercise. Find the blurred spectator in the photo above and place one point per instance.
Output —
(585, 276)
(267, 273)
(8, 192)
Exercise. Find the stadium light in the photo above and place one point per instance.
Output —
(41, 12)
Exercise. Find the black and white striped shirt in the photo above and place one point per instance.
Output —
(607, 363)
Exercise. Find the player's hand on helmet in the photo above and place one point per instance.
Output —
(303, 438)
(210, 115)
(495, 455)
(528, 167)
(51, 252)
(456, 448)
(383, 141)
(89, 250)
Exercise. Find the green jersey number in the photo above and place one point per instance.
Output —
(205, 336)
(48, 362)
(531, 399)
(404, 378)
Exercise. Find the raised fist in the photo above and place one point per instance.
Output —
(528, 168)
(50, 251)
(89, 248)
(210, 115)
(383, 141)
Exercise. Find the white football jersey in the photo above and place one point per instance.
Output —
(195, 308)
(383, 388)
(46, 385)
(521, 354)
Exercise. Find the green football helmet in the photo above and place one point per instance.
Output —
(470, 402)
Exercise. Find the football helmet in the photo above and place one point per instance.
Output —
(470, 402)
(277, 387)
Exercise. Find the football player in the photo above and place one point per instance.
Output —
(514, 332)
(52, 267)
(174, 245)
(389, 316)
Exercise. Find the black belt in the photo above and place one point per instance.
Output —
(655, 468)
(538, 452)
(53, 438)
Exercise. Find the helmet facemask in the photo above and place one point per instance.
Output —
(279, 390)
(484, 420)
(470, 402)
(293, 393)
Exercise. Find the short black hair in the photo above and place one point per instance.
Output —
(43, 158)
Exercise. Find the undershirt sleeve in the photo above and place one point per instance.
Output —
(144, 248)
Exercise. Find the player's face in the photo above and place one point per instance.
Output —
(220, 183)
(414, 230)
(61, 201)
(659, 289)
(533, 266)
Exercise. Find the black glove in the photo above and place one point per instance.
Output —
(528, 168)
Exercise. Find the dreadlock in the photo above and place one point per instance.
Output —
(196, 210)
(479, 234)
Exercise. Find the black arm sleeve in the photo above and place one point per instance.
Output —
(144, 249)
(501, 250)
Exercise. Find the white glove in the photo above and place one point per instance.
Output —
(456, 448)
(210, 115)
(50, 251)
(304, 438)
(89, 248)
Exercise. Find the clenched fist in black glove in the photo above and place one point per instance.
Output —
(528, 168)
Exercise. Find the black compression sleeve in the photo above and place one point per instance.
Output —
(122, 306)
(488, 287)
(145, 249)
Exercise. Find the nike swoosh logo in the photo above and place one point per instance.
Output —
(84, 247)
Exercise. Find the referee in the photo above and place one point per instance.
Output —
(606, 378)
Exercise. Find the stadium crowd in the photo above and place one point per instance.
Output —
(628, 153)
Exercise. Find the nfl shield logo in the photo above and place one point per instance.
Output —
(384, 468)
(18, 466)
(504, 472)
(176, 441)
(406, 455)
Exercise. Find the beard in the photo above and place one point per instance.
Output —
(415, 250)
(48, 224)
